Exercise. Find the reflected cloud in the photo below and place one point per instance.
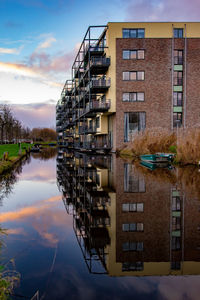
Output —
(16, 231)
(42, 216)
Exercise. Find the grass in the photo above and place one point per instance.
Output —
(13, 155)
(13, 149)
(8, 278)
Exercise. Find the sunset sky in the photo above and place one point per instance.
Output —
(39, 39)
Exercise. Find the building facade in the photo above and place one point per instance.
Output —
(127, 77)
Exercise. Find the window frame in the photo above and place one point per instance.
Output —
(129, 54)
(130, 32)
(178, 30)
(129, 76)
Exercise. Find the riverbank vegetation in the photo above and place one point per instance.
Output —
(185, 143)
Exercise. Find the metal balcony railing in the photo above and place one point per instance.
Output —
(97, 82)
(87, 129)
(100, 61)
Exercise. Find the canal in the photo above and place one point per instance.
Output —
(100, 227)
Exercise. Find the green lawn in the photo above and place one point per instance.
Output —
(13, 149)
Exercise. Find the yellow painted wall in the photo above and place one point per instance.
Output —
(103, 128)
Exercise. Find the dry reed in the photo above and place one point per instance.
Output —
(188, 146)
(152, 141)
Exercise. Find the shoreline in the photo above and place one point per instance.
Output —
(7, 165)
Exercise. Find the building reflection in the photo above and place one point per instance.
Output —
(129, 220)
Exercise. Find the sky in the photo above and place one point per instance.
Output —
(39, 40)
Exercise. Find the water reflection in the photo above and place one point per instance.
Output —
(8, 179)
(130, 220)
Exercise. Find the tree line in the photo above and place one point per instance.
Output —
(12, 130)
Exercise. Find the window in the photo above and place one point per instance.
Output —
(176, 243)
(140, 75)
(175, 265)
(133, 246)
(178, 32)
(176, 223)
(133, 123)
(133, 33)
(176, 203)
(133, 75)
(131, 227)
(133, 207)
(178, 98)
(178, 78)
(126, 54)
(133, 54)
(132, 266)
(177, 119)
(178, 57)
(97, 122)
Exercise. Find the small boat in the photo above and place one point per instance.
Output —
(35, 149)
(152, 166)
(157, 157)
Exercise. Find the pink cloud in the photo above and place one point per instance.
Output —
(43, 62)
(35, 115)
(162, 10)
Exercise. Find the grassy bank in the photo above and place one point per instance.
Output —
(185, 143)
(14, 154)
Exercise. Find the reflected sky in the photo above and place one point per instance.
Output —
(42, 243)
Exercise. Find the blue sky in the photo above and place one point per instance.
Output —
(39, 39)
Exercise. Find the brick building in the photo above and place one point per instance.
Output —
(133, 76)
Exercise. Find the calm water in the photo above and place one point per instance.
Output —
(100, 227)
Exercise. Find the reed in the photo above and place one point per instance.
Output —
(153, 140)
(188, 146)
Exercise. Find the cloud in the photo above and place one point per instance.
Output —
(36, 115)
(47, 43)
(162, 10)
(11, 50)
(43, 62)
(42, 216)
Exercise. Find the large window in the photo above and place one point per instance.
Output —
(132, 246)
(178, 98)
(133, 54)
(178, 57)
(133, 75)
(133, 207)
(178, 32)
(133, 97)
(133, 227)
(133, 123)
(133, 33)
(178, 78)
(133, 183)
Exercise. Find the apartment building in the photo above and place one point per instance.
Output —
(127, 77)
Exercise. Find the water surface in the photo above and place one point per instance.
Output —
(100, 227)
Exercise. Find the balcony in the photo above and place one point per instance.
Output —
(99, 65)
(94, 49)
(97, 145)
(95, 106)
(98, 84)
(85, 129)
